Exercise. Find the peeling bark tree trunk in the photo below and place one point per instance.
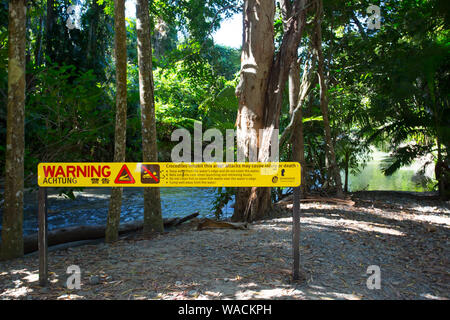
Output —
(12, 237)
(115, 204)
(333, 169)
(153, 221)
(260, 92)
(256, 60)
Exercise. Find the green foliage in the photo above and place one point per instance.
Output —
(68, 117)
(224, 195)
(391, 85)
(386, 87)
(181, 99)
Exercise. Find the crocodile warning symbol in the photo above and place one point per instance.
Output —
(124, 176)
(150, 173)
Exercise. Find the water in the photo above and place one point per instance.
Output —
(91, 206)
(405, 179)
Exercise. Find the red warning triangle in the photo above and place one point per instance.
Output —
(124, 177)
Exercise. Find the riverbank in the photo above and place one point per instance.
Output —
(90, 206)
(407, 237)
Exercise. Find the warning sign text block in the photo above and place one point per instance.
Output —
(168, 174)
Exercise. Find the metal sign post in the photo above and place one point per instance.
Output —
(296, 234)
(42, 236)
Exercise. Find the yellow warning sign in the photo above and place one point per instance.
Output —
(124, 176)
(169, 174)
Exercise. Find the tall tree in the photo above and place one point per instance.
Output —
(256, 60)
(263, 78)
(152, 201)
(297, 95)
(115, 204)
(49, 29)
(12, 239)
(297, 98)
(333, 169)
(298, 149)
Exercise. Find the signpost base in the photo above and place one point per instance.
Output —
(42, 236)
(296, 235)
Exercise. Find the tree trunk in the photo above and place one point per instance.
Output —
(12, 237)
(297, 139)
(346, 173)
(294, 70)
(256, 60)
(333, 169)
(92, 38)
(295, 127)
(294, 86)
(260, 91)
(115, 204)
(153, 221)
(298, 154)
(49, 39)
(38, 47)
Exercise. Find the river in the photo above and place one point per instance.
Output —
(404, 179)
(90, 207)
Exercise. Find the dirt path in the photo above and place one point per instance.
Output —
(407, 239)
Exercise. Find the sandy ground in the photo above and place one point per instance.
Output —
(407, 238)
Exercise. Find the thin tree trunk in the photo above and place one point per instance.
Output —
(153, 221)
(346, 173)
(294, 70)
(295, 127)
(297, 95)
(294, 86)
(115, 204)
(297, 139)
(333, 169)
(92, 38)
(49, 41)
(440, 170)
(12, 237)
(38, 48)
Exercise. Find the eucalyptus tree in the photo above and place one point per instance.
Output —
(264, 74)
(152, 200)
(115, 204)
(12, 240)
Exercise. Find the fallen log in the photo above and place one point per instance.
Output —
(332, 200)
(212, 224)
(177, 221)
(346, 202)
(86, 232)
